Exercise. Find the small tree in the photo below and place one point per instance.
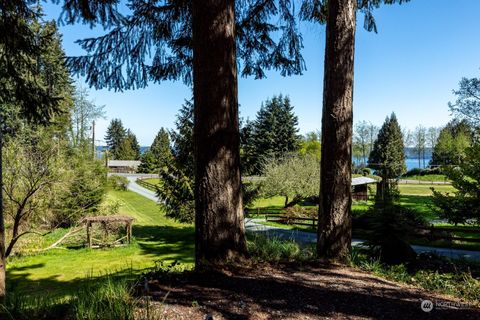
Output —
(294, 177)
(83, 113)
(464, 204)
(361, 134)
(32, 165)
(420, 141)
(452, 142)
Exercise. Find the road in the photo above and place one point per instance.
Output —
(302, 237)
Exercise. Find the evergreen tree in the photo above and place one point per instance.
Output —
(388, 157)
(160, 148)
(182, 139)
(464, 203)
(388, 154)
(452, 142)
(129, 148)
(115, 137)
(148, 163)
(275, 132)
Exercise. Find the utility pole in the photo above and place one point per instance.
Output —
(93, 140)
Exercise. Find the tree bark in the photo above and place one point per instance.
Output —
(3, 259)
(334, 229)
(219, 224)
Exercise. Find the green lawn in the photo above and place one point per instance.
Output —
(413, 196)
(152, 180)
(428, 177)
(60, 271)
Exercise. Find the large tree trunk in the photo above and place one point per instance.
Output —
(334, 232)
(3, 259)
(219, 224)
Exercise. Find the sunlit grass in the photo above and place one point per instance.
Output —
(62, 270)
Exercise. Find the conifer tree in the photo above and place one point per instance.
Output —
(115, 137)
(182, 139)
(388, 154)
(274, 132)
(161, 149)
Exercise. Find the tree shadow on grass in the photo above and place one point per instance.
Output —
(177, 243)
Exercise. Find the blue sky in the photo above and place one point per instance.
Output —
(421, 51)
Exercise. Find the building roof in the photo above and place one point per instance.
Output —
(362, 180)
(123, 163)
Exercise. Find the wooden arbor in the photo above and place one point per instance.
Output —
(105, 220)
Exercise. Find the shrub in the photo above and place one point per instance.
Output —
(118, 183)
(275, 249)
(389, 227)
(366, 171)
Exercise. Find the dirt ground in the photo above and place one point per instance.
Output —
(295, 292)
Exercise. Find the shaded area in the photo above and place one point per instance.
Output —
(299, 292)
(168, 242)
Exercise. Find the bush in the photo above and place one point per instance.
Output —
(301, 212)
(118, 183)
(274, 249)
(366, 171)
(389, 228)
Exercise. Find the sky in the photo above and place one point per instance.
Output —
(421, 51)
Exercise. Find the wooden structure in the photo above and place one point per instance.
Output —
(105, 220)
(360, 188)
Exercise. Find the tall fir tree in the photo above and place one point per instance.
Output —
(388, 158)
(161, 149)
(158, 155)
(115, 137)
(388, 153)
(274, 132)
(129, 148)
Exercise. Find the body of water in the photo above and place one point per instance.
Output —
(413, 163)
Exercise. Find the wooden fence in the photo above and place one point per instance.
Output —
(147, 185)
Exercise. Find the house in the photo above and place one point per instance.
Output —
(123, 166)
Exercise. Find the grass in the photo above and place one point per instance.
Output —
(152, 180)
(61, 271)
(457, 278)
(428, 177)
